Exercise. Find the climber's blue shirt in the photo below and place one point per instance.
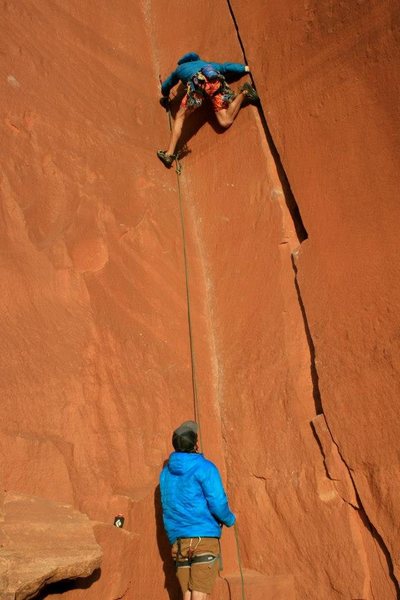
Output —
(185, 71)
(193, 499)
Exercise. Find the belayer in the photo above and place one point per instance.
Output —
(195, 507)
(204, 81)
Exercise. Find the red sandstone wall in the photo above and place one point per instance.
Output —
(328, 74)
(94, 345)
(95, 356)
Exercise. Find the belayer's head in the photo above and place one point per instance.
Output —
(188, 57)
(184, 438)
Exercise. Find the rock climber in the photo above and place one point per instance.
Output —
(204, 80)
(195, 507)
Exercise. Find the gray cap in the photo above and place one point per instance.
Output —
(184, 438)
(187, 426)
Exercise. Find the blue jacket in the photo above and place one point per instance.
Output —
(190, 64)
(193, 499)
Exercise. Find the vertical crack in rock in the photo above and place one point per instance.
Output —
(313, 368)
(335, 467)
(378, 539)
(301, 231)
(287, 191)
(379, 542)
(302, 235)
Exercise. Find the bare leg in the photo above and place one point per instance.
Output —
(175, 135)
(187, 595)
(226, 116)
(198, 596)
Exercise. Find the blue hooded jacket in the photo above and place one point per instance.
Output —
(193, 499)
(190, 64)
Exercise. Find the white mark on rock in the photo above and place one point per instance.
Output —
(13, 81)
(295, 252)
(276, 193)
(328, 495)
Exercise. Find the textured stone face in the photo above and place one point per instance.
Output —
(95, 368)
(41, 543)
(329, 85)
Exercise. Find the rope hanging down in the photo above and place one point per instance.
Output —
(188, 303)
(191, 341)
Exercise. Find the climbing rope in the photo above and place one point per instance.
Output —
(190, 328)
(187, 287)
(239, 560)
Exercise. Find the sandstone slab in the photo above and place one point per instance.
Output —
(255, 587)
(43, 542)
(328, 76)
(95, 366)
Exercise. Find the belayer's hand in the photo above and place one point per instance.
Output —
(164, 101)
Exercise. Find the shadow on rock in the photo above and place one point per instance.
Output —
(80, 583)
(170, 583)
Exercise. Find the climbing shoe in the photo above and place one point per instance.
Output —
(165, 158)
(250, 94)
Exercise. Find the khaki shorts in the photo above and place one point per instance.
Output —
(198, 577)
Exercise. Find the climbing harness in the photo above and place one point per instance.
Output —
(193, 358)
(195, 560)
(195, 87)
(192, 559)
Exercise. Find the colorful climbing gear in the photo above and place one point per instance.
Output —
(208, 83)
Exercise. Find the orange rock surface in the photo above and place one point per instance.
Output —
(293, 285)
(43, 542)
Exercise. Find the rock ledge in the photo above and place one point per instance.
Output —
(42, 542)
